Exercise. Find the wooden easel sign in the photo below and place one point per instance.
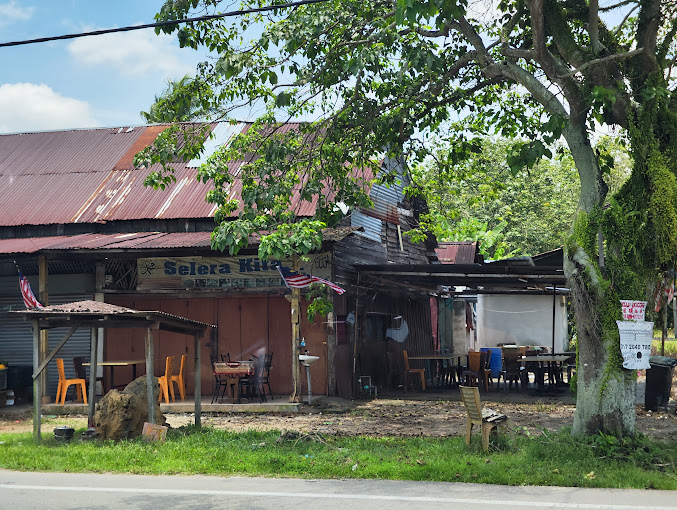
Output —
(152, 432)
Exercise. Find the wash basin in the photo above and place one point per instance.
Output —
(307, 359)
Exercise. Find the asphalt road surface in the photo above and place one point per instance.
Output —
(57, 491)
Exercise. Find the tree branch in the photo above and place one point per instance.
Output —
(602, 61)
(593, 26)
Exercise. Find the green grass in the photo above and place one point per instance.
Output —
(670, 346)
(554, 459)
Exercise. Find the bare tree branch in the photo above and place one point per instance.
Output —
(603, 60)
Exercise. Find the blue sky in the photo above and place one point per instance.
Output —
(97, 81)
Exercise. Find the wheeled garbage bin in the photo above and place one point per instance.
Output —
(658, 382)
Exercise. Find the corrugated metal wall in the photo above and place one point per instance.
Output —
(16, 339)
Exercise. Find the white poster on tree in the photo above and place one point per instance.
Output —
(635, 343)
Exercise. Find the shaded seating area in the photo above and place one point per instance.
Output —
(487, 419)
(94, 315)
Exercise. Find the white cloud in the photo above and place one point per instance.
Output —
(31, 107)
(133, 53)
(12, 12)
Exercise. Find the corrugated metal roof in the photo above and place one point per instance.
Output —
(87, 176)
(133, 241)
(462, 252)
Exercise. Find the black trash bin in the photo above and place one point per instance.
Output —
(658, 382)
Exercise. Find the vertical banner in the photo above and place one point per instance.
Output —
(636, 340)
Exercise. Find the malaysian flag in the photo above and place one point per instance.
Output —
(295, 279)
(29, 298)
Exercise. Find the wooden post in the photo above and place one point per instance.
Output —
(43, 293)
(198, 383)
(94, 348)
(37, 383)
(100, 283)
(150, 376)
(295, 338)
(331, 354)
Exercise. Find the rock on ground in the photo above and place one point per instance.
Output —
(121, 415)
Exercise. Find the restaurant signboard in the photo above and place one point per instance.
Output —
(633, 310)
(222, 272)
(636, 339)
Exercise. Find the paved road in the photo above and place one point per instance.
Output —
(57, 491)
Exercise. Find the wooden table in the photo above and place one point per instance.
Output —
(232, 371)
(437, 374)
(119, 363)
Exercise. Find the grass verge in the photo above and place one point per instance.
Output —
(557, 459)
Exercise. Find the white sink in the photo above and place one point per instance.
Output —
(307, 359)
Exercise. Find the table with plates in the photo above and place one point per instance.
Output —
(233, 371)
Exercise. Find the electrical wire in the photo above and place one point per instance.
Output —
(163, 23)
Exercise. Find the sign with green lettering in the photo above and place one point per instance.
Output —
(221, 272)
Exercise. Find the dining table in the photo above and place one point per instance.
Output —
(118, 363)
(233, 371)
(550, 363)
(438, 371)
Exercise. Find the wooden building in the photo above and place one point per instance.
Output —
(78, 221)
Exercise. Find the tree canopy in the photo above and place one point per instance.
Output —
(377, 77)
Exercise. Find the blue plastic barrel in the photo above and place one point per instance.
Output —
(496, 361)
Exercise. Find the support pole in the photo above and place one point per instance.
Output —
(198, 383)
(150, 376)
(554, 302)
(295, 340)
(94, 349)
(37, 383)
(43, 292)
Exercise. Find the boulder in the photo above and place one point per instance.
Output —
(121, 415)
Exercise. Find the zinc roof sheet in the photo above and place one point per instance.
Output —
(131, 241)
(461, 252)
(88, 176)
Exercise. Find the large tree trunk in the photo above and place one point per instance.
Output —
(605, 393)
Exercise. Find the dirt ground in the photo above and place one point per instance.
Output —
(430, 414)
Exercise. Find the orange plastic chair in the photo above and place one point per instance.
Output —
(166, 386)
(62, 387)
(179, 380)
(410, 373)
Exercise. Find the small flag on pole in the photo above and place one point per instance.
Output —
(29, 298)
(295, 279)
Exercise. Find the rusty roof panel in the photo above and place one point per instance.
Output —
(87, 176)
(132, 241)
(462, 252)
(64, 152)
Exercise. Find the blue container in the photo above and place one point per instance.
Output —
(496, 361)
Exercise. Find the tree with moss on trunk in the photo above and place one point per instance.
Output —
(377, 77)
